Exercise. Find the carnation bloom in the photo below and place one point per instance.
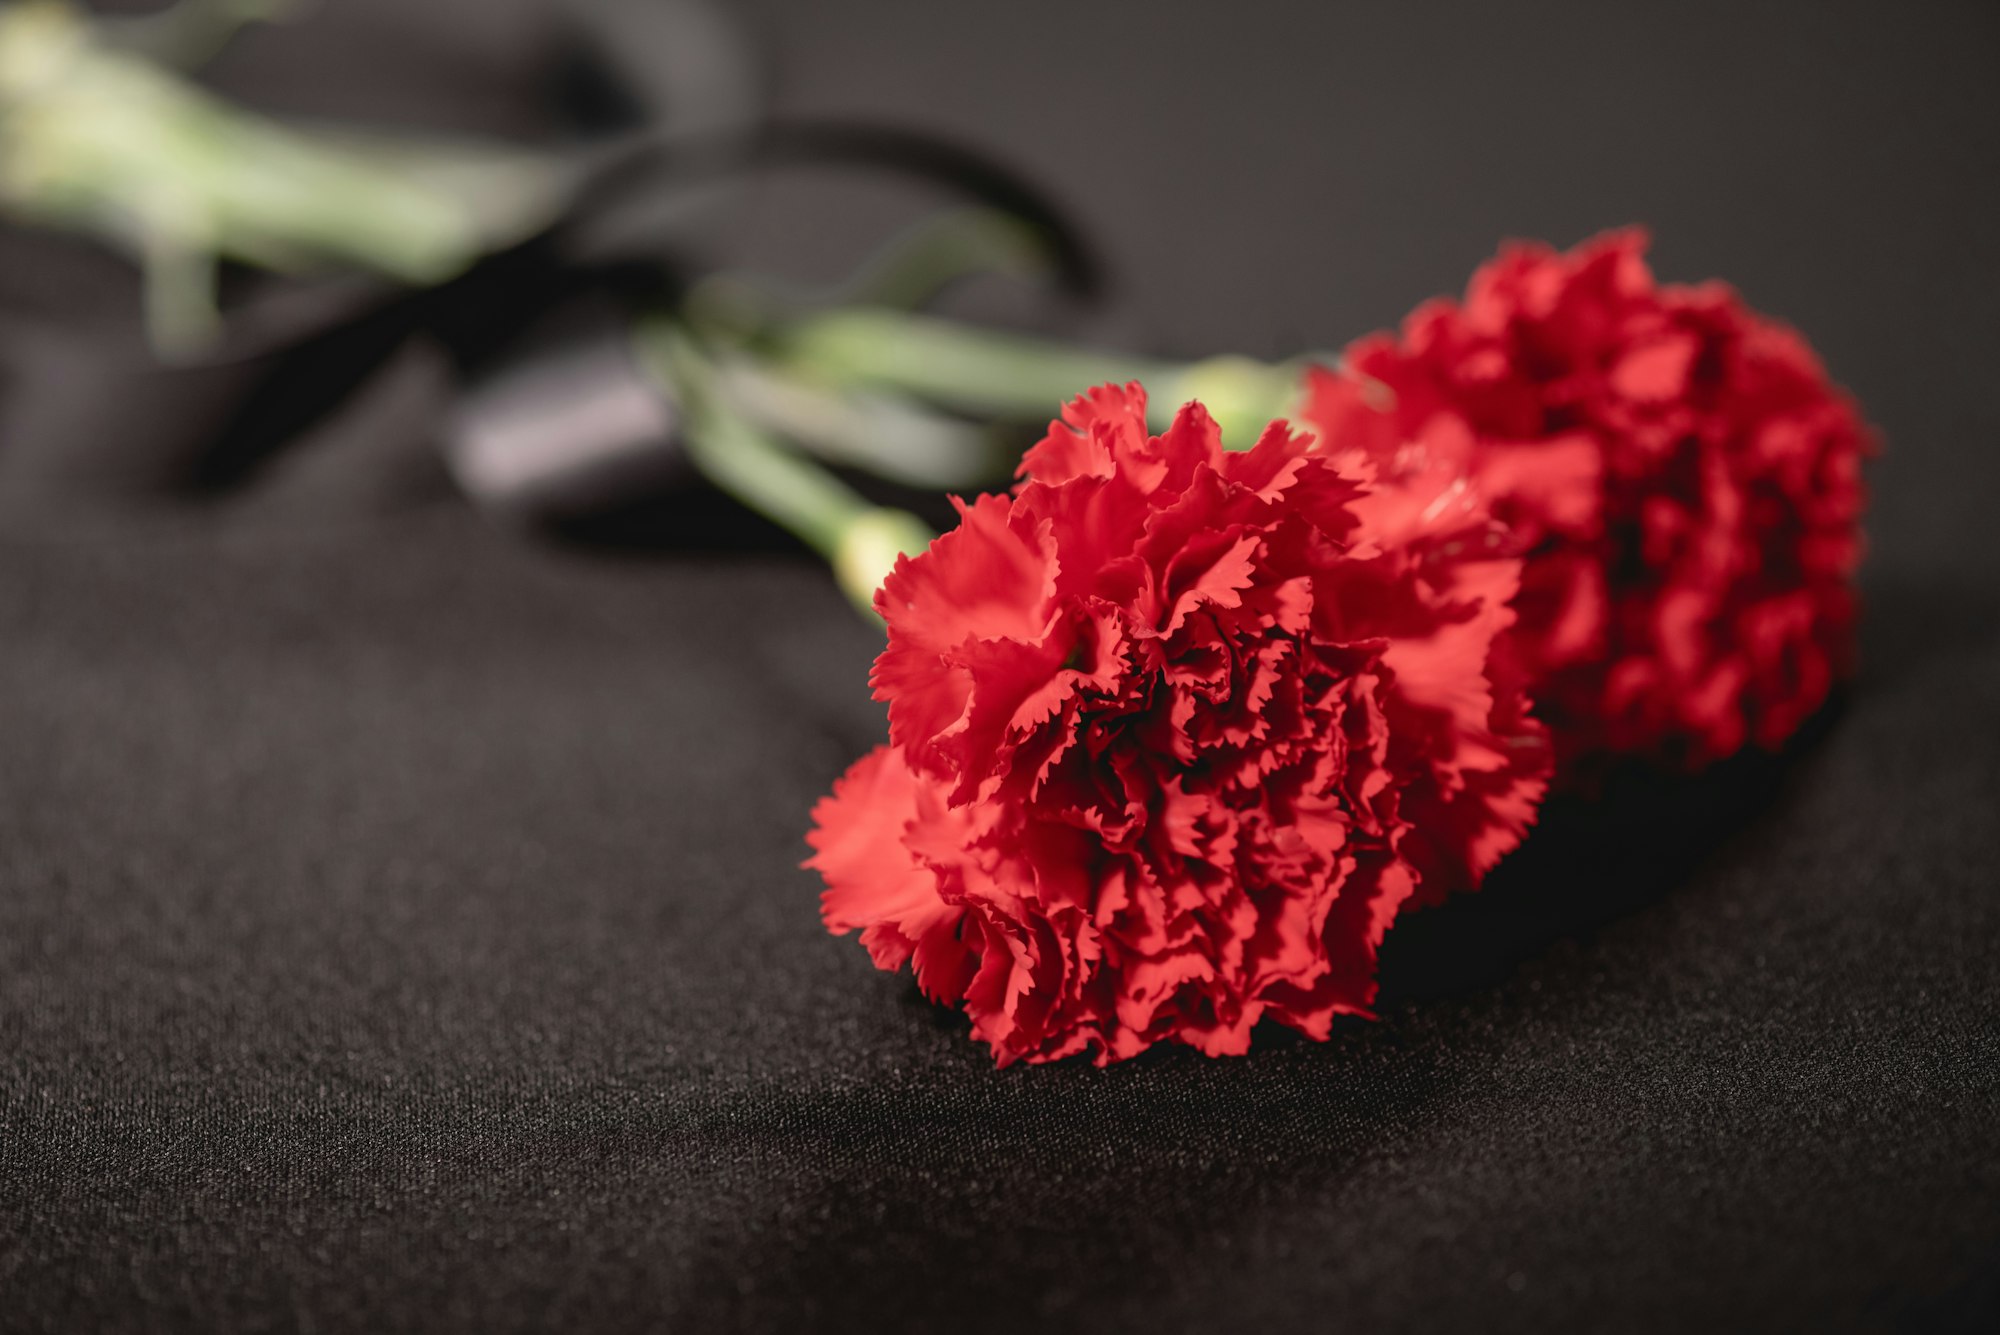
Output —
(1173, 733)
(1681, 476)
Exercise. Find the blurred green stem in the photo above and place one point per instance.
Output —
(996, 374)
(98, 139)
(859, 539)
(893, 437)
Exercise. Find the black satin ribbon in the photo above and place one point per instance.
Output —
(677, 164)
(545, 415)
(91, 421)
(565, 424)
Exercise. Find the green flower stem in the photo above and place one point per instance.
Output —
(990, 373)
(100, 140)
(891, 436)
(981, 371)
(859, 539)
(941, 250)
(908, 270)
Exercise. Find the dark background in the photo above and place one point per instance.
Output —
(400, 925)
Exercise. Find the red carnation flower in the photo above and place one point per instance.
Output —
(1173, 733)
(1681, 476)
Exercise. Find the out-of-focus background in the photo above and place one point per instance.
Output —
(400, 925)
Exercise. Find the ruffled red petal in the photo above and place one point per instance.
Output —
(1163, 726)
(1679, 474)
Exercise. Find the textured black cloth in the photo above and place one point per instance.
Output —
(400, 924)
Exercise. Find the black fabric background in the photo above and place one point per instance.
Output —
(400, 926)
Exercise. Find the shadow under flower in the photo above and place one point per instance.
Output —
(1591, 859)
(1020, 1187)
